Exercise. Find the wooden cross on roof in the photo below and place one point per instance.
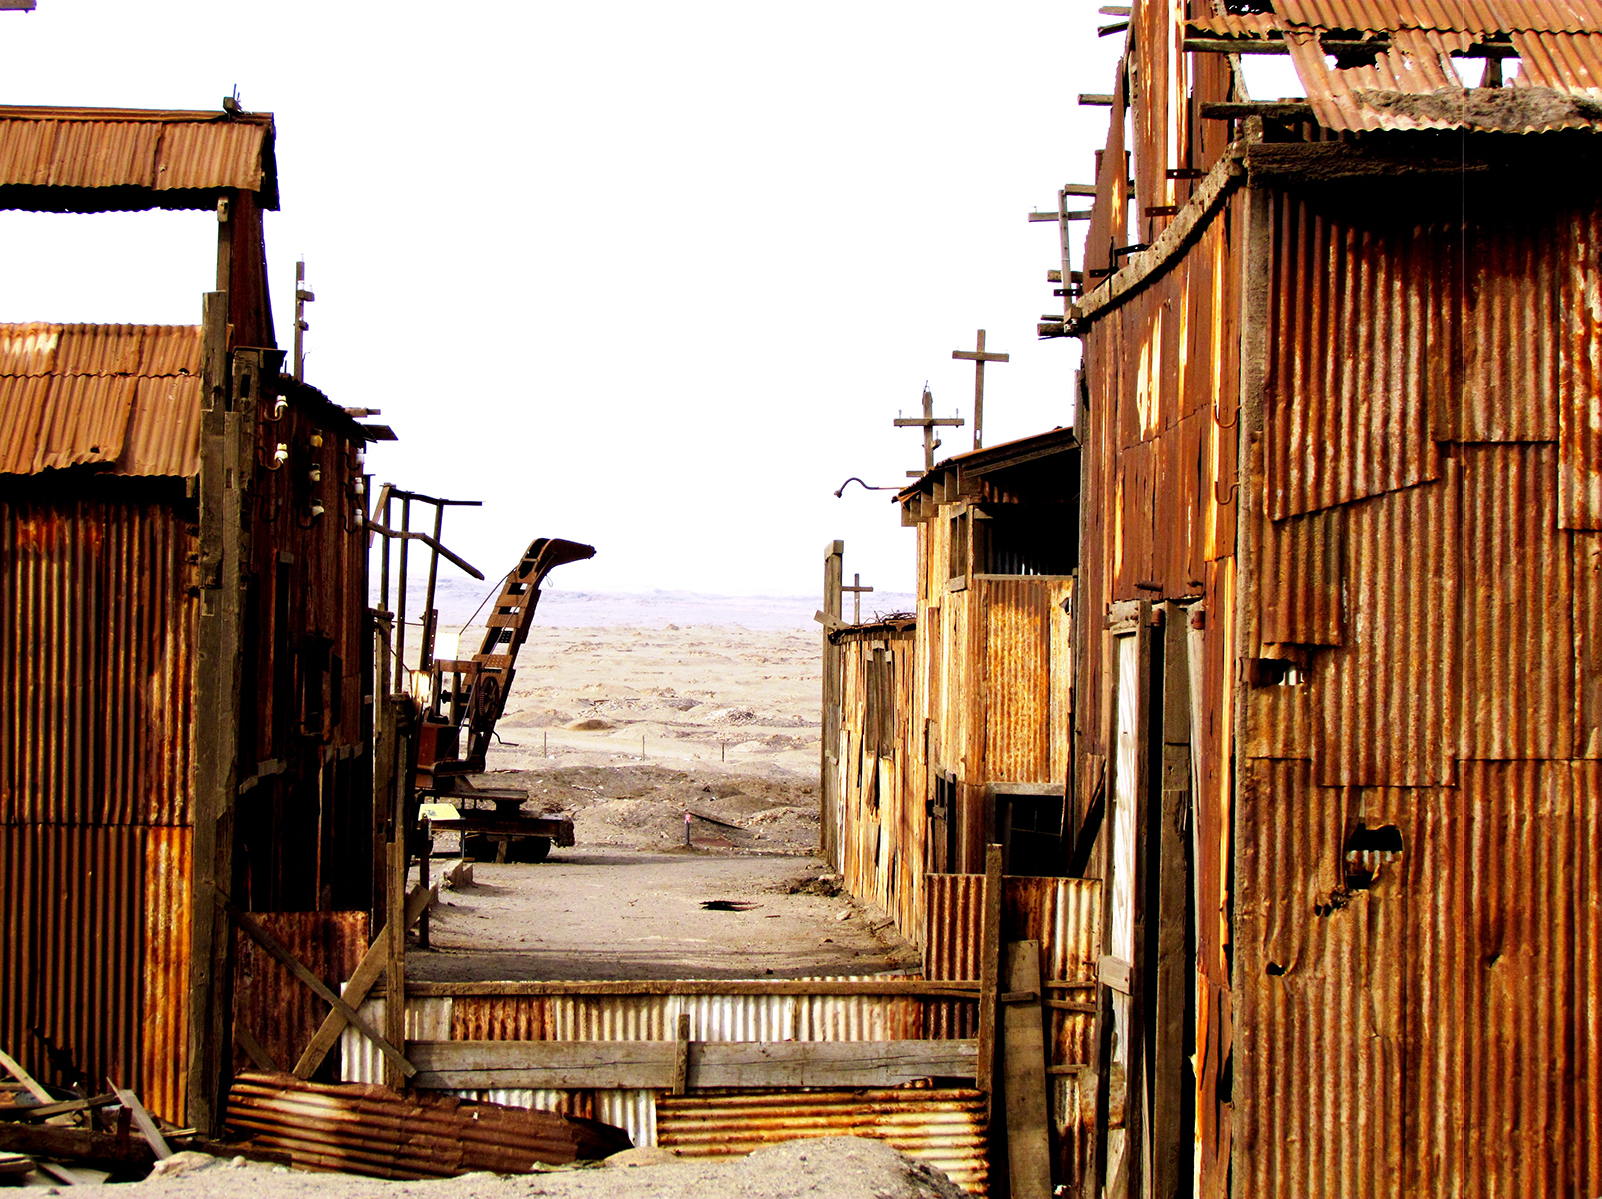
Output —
(978, 357)
(856, 589)
(927, 422)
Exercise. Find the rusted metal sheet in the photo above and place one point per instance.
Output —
(1479, 16)
(944, 1128)
(1301, 576)
(1018, 683)
(1499, 284)
(1280, 721)
(72, 921)
(280, 1011)
(97, 654)
(1064, 915)
(1387, 712)
(366, 1129)
(150, 150)
(1562, 62)
(1587, 644)
(123, 395)
(1501, 971)
(1580, 374)
(1442, 980)
(1348, 409)
(165, 1029)
(1319, 1044)
(39, 348)
(1516, 689)
(501, 1018)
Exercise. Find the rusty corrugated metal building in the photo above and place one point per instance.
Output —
(996, 556)
(143, 759)
(1337, 710)
(953, 733)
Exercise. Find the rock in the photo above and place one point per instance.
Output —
(591, 724)
(184, 1162)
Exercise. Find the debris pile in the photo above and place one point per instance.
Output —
(360, 1128)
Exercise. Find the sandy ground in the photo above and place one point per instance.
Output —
(699, 695)
(627, 730)
(607, 914)
(831, 1168)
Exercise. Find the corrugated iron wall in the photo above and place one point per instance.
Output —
(1064, 915)
(944, 1128)
(1160, 422)
(277, 1009)
(97, 649)
(306, 835)
(1027, 676)
(1419, 833)
(881, 824)
(97, 639)
(732, 1017)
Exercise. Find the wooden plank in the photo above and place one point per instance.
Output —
(1149, 265)
(222, 547)
(101, 1150)
(1024, 1077)
(254, 1049)
(395, 891)
(367, 973)
(147, 1126)
(916, 988)
(64, 1107)
(681, 1056)
(989, 970)
(583, 1065)
(833, 690)
(272, 945)
(26, 1079)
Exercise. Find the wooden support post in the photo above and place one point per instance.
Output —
(227, 458)
(989, 973)
(395, 923)
(1171, 946)
(382, 762)
(681, 1060)
(829, 784)
(1024, 1076)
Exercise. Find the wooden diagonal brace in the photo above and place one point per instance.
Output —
(361, 982)
(272, 945)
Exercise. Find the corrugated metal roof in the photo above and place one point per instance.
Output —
(1478, 16)
(125, 396)
(150, 151)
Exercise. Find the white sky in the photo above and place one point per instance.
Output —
(654, 276)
